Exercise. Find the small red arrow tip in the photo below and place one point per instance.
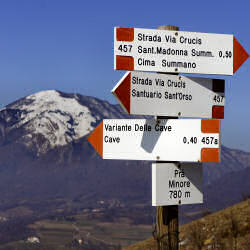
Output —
(240, 55)
(96, 139)
(123, 92)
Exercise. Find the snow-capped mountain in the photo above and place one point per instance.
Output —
(51, 118)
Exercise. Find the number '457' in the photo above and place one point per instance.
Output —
(218, 98)
(125, 48)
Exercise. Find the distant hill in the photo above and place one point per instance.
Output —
(225, 191)
(226, 229)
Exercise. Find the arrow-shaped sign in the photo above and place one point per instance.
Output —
(177, 51)
(166, 140)
(141, 93)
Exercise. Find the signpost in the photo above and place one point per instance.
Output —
(192, 140)
(168, 50)
(177, 51)
(141, 93)
(176, 184)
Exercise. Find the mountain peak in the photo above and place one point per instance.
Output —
(54, 117)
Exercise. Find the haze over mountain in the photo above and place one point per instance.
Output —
(45, 157)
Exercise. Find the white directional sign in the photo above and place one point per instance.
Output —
(165, 140)
(174, 184)
(177, 51)
(142, 93)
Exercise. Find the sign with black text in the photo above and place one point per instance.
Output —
(177, 51)
(176, 183)
(142, 93)
(194, 140)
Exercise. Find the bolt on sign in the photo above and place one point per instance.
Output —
(194, 140)
(142, 93)
(176, 183)
(177, 51)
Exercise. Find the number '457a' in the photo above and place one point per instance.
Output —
(209, 140)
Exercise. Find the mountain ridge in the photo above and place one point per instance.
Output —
(32, 169)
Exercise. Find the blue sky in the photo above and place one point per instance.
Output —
(68, 45)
